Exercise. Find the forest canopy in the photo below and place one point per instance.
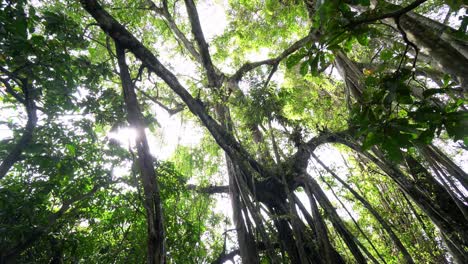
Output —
(233, 131)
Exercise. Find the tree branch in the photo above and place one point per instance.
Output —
(179, 35)
(31, 110)
(212, 189)
(393, 14)
(122, 36)
(273, 61)
(12, 92)
(179, 107)
(213, 77)
(302, 156)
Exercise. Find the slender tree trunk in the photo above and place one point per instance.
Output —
(348, 238)
(326, 250)
(450, 222)
(247, 246)
(371, 209)
(152, 199)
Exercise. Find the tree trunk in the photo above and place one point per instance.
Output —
(247, 245)
(440, 42)
(152, 201)
(348, 238)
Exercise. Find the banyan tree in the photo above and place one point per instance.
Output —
(326, 131)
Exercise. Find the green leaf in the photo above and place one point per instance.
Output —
(370, 140)
(304, 68)
(314, 65)
(392, 149)
(36, 147)
(426, 136)
(454, 4)
(457, 128)
(20, 26)
(336, 39)
(463, 26)
(386, 54)
(37, 40)
(363, 39)
(293, 60)
(446, 79)
(71, 149)
(348, 45)
(404, 99)
(364, 2)
(426, 114)
(403, 139)
(388, 98)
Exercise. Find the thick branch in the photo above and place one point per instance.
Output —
(15, 154)
(302, 156)
(180, 36)
(197, 32)
(393, 14)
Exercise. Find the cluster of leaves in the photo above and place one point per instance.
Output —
(393, 118)
(252, 23)
(106, 227)
(47, 48)
(313, 59)
(390, 115)
(54, 172)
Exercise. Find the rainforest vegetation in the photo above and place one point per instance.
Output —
(233, 131)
